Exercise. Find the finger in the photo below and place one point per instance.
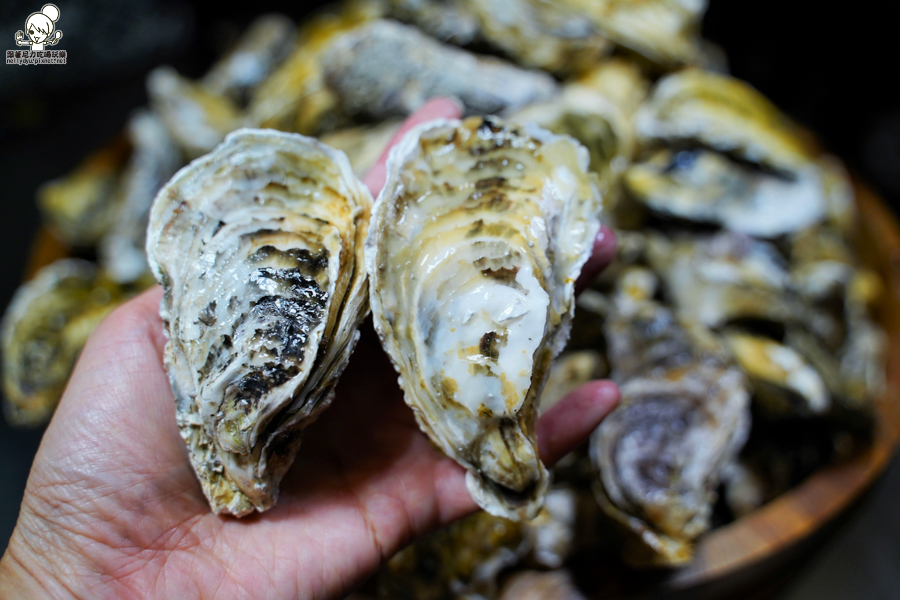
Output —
(436, 108)
(568, 424)
(603, 253)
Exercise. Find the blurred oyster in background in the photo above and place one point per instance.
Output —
(724, 114)
(722, 278)
(154, 159)
(783, 382)
(707, 187)
(467, 558)
(475, 245)
(259, 249)
(555, 36)
(81, 206)
(261, 48)
(196, 118)
(684, 416)
(44, 328)
(386, 69)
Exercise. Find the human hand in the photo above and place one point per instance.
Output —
(113, 509)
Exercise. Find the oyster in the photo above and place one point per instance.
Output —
(663, 31)
(384, 69)
(725, 114)
(783, 382)
(44, 328)
(267, 41)
(259, 249)
(553, 36)
(465, 560)
(683, 417)
(154, 159)
(708, 187)
(81, 206)
(450, 21)
(476, 241)
(722, 278)
(196, 118)
(295, 96)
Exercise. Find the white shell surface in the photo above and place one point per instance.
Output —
(258, 246)
(475, 245)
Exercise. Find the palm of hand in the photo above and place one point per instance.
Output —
(113, 508)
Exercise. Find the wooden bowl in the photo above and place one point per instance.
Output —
(744, 550)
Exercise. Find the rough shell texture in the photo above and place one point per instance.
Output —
(44, 328)
(385, 69)
(259, 249)
(475, 245)
(683, 417)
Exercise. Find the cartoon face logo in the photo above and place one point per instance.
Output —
(40, 28)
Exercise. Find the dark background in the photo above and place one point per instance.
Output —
(834, 71)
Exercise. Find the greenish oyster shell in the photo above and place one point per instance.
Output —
(259, 248)
(476, 242)
(44, 328)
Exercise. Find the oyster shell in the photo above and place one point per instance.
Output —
(783, 381)
(44, 328)
(154, 159)
(663, 31)
(683, 417)
(259, 249)
(725, 114)
(475, 245)
(553, 36)
(384, 69)
(708, 187)
(722, 278)
(465, 560)
(450, 21)
(257, 53)
(196, 118)
(81, 206)
(295, 96)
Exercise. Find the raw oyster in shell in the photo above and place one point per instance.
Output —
(476, 241)
(683, 417)
(44, 328)
(259, 249)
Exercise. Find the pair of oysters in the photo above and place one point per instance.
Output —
(270, 252)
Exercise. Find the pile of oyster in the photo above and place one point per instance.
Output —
(736, 317)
